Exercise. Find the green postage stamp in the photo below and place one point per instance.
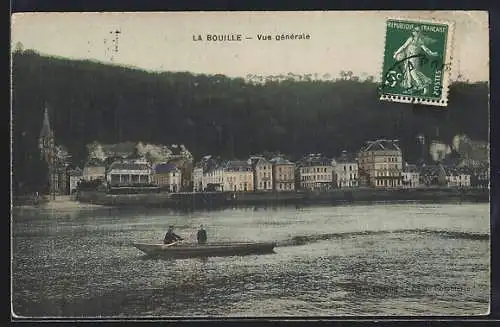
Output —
(417, 61)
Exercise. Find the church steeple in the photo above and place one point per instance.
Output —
(46, 141)
(46, 131)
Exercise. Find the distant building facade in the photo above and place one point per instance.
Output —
(262, 173)
(314, 172)
(411, 176)
(238, 176)
(198, 178)
(345, 171)
(382, 163)
(456, 177)
(94, 170)
(168, 176)
(129, 173)
(75, 176)
(283, 175)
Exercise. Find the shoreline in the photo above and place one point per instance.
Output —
(208, 200)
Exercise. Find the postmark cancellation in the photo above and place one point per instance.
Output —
(417, 61)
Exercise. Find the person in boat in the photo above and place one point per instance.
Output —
(202, 236)
(171, 237)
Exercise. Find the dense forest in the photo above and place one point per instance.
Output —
(228, 117)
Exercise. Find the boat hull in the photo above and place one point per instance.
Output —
(208, 250)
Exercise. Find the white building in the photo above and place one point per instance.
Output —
(315, 172)
(345, 171)
(214, 179)
(94, 170)
(262, 173)
(167, 175)
(75, 176)
(283, 175)
(129, 172)
(198, 178)
(457, 177)
(411, 176)
(381, 163)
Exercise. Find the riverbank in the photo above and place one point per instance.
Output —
(223, 199)
(59, 203)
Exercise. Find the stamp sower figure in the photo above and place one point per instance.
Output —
(202, 235)
(411, 54)
(171, 237)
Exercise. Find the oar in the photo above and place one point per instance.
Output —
(172, 243)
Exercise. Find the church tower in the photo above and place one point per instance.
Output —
(46, 145)
(46, 141)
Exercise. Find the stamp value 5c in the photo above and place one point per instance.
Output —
(417, 61)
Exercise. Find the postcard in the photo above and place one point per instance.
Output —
(250, 164)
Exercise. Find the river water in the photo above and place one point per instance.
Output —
(378, 259)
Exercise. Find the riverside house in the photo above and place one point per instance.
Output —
(433, 176)
(283, 175)
(381, 161)
(456, 177)
(94, 169)
(129, 172)
(314, 172)
(411, 176)
(198, 177)
(168, 176)
(75, 176)
(213, 177)
(345, 171)
(262, 173)
(208, 175)
(238, 176)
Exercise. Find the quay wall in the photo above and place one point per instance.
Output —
(222, 199)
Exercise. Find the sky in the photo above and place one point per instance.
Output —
(352, 40)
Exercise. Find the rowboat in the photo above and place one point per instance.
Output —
(222, 249)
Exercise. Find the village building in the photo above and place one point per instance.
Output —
(314, 172)
(75, 176)
(411, 176)
(283, 174)
(129, 172)
(381, 161)
(345, 171)
(94, 169)
(167, 176)
(208, 175)
(238, 176)
(198, 178)
(432, 176)
(480, 176)
(262, 173)
(456, 177)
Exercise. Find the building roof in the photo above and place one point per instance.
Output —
(455, 171)
(281, 161)
(237, 165)
(410, 168)
(257, 160)
(128, 165)
(382, 145)
(315, 160)
(346, 158)
(164, 168)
